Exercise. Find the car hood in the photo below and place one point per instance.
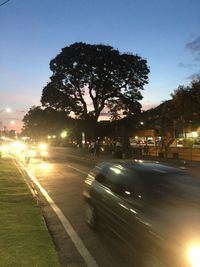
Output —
(181, 224)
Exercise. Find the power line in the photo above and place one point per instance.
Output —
(4, 3)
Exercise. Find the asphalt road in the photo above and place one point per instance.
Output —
(62, 177)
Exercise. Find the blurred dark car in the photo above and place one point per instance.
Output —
(153, 208)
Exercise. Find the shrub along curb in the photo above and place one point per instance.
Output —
(25, 240)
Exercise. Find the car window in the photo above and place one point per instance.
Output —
(121, 182)
(168, 188)
(151, 187)
(132, 188)
(114, 176)
(100, 173)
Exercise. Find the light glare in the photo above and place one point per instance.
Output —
(194, 256)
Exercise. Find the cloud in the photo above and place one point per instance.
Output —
(195, 76)
(186, 65)
(194, 47)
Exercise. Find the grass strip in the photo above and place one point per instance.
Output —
(24, 238)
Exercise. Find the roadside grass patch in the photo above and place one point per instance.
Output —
(24, 238)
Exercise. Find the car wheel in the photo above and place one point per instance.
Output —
(90, 216)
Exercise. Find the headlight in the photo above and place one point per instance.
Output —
(42, 146)
(31, 153)
(4, 148)
(43, 153)
(194, 255)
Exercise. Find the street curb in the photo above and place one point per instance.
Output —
(27, 179)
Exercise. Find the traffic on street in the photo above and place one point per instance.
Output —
(62, 176)
(59, 184)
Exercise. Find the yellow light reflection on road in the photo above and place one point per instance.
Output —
(4, 148)
(45, 167)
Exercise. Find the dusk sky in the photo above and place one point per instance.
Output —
(165, 32)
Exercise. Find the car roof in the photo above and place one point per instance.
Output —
(144, 166)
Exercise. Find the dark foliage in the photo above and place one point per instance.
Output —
(90, 78)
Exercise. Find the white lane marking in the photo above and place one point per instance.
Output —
(76, 169)
(84, 252)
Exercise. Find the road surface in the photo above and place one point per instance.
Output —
(62, 177)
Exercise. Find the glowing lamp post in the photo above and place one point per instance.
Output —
(194, 134)
(63, 134)
(5, 110)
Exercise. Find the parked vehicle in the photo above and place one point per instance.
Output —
(196, 144)
(179, 143)
(152, 207)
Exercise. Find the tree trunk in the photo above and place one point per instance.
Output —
(126, 143)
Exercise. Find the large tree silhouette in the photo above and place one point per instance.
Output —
(89, 78)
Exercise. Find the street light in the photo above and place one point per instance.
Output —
(8, 110)
(5, 110)
(63, 134)
(7, 122)
(194, 134)
(1, 111)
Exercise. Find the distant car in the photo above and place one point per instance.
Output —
(133, 143)
(196, 145)
(179, 143)
(152, 207)
(36, 151)
(141, 142)
(150, 143)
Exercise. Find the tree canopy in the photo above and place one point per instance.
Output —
(39, 123)
(186, 100)
(88, 79)
(177, 115)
